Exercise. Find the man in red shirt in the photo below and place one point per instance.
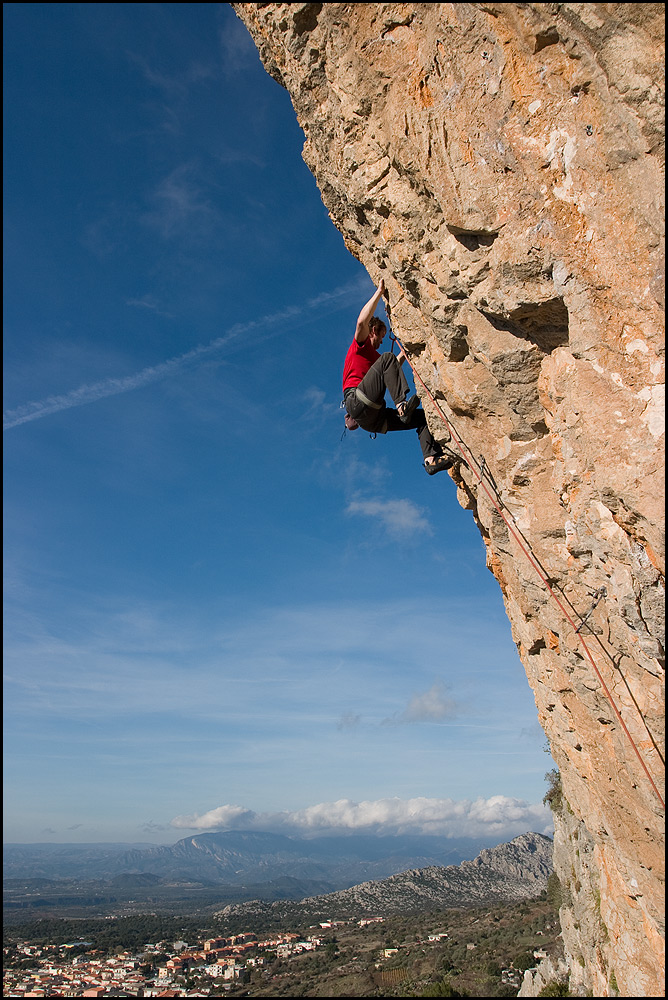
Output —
(367, 374)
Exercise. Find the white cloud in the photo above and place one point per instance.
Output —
(498, 815)
(345, 469)
(222, 818)
(430, 706)
(399, 517)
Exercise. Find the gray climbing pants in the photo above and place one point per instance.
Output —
(366, 404)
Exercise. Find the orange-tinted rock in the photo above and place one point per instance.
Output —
(501, 167)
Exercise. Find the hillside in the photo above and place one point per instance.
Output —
(517, 870)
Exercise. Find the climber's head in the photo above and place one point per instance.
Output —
(377, 331)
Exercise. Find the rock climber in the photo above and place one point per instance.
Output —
(367, 374)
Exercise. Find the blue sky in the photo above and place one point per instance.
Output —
(218, 614)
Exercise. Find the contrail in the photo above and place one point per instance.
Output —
(336, 299)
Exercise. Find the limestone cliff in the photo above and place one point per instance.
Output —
(501, 167)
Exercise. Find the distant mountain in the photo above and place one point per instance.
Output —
(516, 870)
(267, 871)
(242, 859)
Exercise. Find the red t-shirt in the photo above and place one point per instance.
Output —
(359, 359)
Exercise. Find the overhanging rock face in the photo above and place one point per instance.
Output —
(501, 167)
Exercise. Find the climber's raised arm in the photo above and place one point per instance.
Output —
(368, 375)
(362, 328)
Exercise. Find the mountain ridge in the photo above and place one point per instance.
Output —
(514, 870)
(239, 857)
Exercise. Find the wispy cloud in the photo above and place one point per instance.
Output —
(152, 827)
(180, 205)
(174, 84)
(349, 722)
(234, 336)
(430, 706)
(173, 89)
(83, 657)
(498, 815)
(400, 517)
(238, 52)
(230, 156)
(148, 302)
(319, 407)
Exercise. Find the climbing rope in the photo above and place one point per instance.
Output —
(482, 473)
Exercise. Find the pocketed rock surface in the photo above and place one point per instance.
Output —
(501, 167)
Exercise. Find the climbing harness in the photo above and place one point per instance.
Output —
(350, 421)
(367, 402)
(483, 475)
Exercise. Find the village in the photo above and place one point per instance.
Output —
(242, 964)
(223, 961)
(218, 963)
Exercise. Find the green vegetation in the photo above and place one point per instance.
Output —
(442, 989)
(468, 952)
(125, 933)
(555, 893)
(468, 961)
(557, 988)
(554, 795)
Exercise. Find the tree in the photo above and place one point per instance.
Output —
(443, 989)
(555, 988)
(554, 893)
(554, 795)
(524, 962)
(332, 949)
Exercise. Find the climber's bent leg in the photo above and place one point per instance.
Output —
(418, 422)
(385, 373)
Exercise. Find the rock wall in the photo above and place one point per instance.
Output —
(501, 167)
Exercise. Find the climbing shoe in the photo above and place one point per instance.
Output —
(408, 408)
(440, 464)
